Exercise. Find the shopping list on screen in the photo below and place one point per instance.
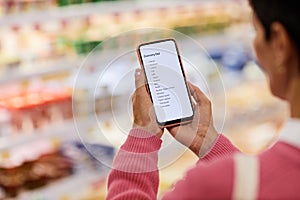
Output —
(166, 81)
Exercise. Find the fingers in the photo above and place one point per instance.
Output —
(139, 78)
(140, 85)
(198, 95)
(204, 108)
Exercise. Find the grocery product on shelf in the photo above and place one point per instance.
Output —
(19, 6)
(33, 166)
(190, 19)
(70, 2)
(8, 64)
(85, 47)
(88, 155)
(23, 6)
(30, 110)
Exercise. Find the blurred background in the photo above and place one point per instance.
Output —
(42, 46)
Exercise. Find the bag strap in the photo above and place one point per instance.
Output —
(246, 177)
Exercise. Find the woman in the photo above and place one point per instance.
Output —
(222, 172)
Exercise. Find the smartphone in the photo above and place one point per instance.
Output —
(166, 82)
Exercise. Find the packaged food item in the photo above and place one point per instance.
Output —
(90, 156)
(5, 127)
(24, 112)
(32, 166)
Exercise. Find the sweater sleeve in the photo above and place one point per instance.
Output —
(221, 148)
(211, 178)
(135, 173)
(208, 181)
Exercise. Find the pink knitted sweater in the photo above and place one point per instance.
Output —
(135, 175)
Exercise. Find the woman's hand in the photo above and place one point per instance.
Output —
(143, 110)
(200, 134)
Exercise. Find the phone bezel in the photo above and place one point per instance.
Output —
(176, 121)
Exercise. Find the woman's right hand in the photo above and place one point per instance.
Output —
(143, 111)
(200, 134)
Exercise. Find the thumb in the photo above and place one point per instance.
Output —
(139, 78)
(203, 104)
(198, 95)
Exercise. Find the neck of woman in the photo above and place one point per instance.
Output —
(294, 98)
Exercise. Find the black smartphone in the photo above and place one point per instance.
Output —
(166, 82)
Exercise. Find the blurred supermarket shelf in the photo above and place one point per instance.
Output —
(68, 188)
(38, 70)
(88, 9)
(64, 131)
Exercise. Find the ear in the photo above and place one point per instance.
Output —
(281, 43)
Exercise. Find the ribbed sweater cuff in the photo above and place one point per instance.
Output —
(139, 153)
(222, 147)
(141, 141)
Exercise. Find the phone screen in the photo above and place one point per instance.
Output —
(166, 82)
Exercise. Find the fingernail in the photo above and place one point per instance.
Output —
(138, 72)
